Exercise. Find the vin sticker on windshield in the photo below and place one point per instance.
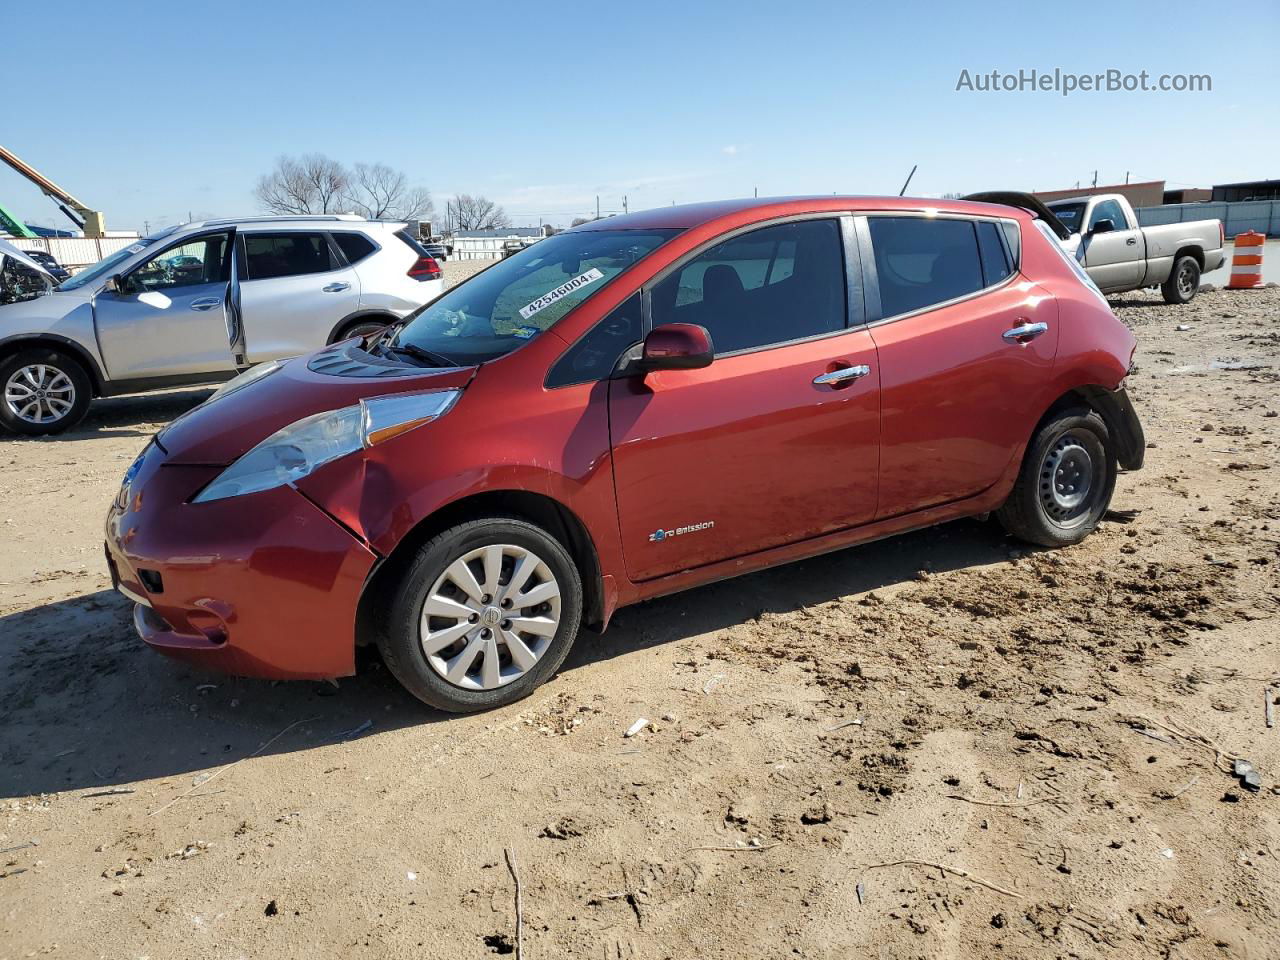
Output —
(560, 292)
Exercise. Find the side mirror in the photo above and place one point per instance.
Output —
(677, 346)
(115, 284)
(1103, 226)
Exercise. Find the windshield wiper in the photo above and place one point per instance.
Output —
(413, 350)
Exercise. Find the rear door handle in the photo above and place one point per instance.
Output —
(840, 376)
(206, 304)
(1025, 333)
(337, 287)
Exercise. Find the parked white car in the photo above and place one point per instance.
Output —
(1121, 255)
(198, 302)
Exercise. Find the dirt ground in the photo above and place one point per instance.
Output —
(941, 745)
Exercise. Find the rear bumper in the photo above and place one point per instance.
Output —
(265, 585)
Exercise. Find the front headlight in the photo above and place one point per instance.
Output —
(292, 453)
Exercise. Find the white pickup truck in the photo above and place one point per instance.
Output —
(1120, 255)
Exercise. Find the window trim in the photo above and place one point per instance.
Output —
(339, 260)
(872, 281)
(854, 302)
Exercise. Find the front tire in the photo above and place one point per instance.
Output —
(363, 328)
(1183, 282)
(1065, 483)
(42, 392)
(484, 614)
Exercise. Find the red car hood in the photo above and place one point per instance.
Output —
(218, 433)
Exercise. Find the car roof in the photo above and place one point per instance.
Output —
(750, 209)
(332, 221)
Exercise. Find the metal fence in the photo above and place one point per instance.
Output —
(1237, 217)
(74, 252)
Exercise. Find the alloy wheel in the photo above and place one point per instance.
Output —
(490, 616)
(39, 393)
(1184, 280)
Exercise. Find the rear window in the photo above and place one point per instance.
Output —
(922, 261)
(354, 246)
(995, 259)
(286, 254)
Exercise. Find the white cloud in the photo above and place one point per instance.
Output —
(731, 150)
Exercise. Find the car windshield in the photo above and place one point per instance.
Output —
(1070, 214)
(518, 298)
(105, 266)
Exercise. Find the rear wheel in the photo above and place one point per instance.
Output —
(1065, 483)
(42, 392)
(1184, 281)
(486, 612)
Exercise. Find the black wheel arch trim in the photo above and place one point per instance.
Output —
(1122, 420)
(351, 318)
(53, 341)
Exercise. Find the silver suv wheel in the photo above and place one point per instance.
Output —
(490, 617)
(39, 393)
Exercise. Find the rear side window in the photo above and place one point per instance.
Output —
(922, 261)
(354, 246)
(769, 286)
(286, 254)
(995, 260)
(596, 353)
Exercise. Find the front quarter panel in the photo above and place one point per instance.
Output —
(61, 316)
(505, 433)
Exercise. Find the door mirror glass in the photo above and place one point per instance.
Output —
(1104, 226)
(677, 346)
(115, 284)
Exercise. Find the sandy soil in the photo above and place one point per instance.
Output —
(942, 745)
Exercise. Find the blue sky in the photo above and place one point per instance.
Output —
(150, 112)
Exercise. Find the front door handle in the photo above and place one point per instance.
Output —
(841, 376)
(206, 304)
(337, 287)
(1025, 333)
(1131, 241)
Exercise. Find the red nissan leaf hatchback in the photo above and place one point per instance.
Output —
(626, 409)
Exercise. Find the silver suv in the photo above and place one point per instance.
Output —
(195, 303)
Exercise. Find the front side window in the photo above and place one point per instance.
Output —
(1108, 210)
(516, 299)
(923, 261)
(597, 351)
(106, 266)
(198, 261)
(270, 255)
(769, 286)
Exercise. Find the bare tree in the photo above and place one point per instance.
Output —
(310, 184)
(465, 212)
(579, 221)
(377, 192)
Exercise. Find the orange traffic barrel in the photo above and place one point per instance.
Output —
(1246, 264)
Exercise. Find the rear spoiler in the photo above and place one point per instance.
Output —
(1024, 201)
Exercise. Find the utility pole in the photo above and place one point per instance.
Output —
(1126, 176)
(755, 192)
(1095, 178)
(597, 206)
(624, 203)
